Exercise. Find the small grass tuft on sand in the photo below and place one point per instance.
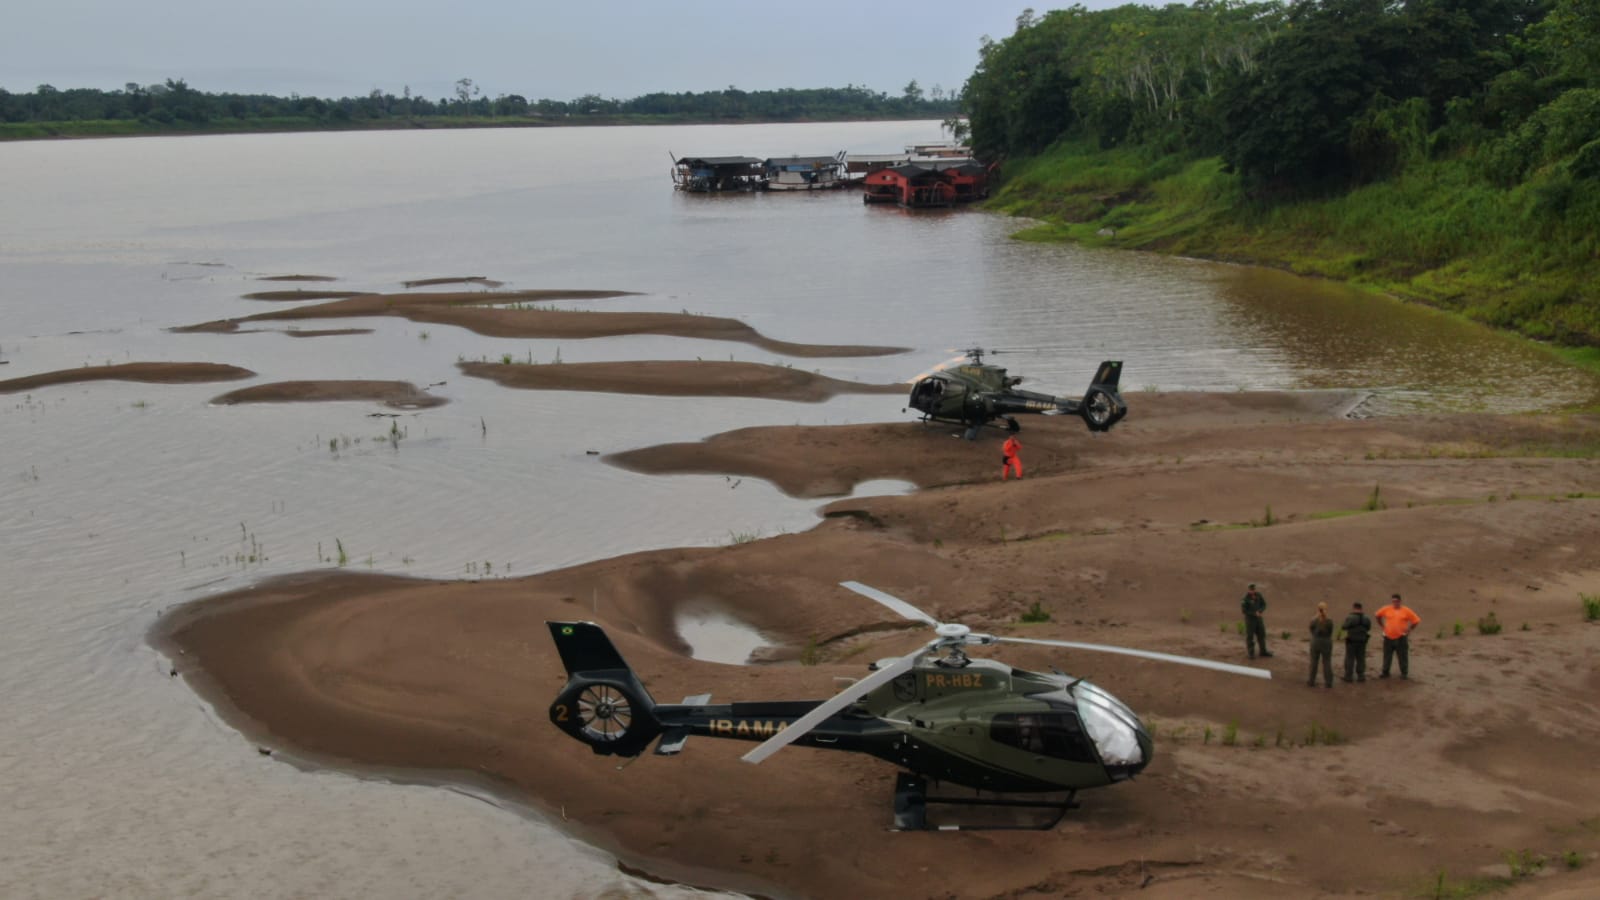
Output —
(1317, 733)
(1443, 887)
(1524, 863)
(810, 654)
(1376, 501)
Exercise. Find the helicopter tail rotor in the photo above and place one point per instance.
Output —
(1102, 407)
(603, 704)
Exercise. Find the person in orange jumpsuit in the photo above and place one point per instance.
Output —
(1011, 460)
(1397, 620)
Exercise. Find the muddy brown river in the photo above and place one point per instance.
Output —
(120, 499)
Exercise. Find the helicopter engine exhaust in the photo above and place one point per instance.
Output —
(603, 703)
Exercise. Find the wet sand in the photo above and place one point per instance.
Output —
(1144, 537)
(149, 372)
(476, 312)
(324, 332)
(283, 296)
(462, 279)
(395, 394)
(676, 378)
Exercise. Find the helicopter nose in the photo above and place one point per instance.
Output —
(1126, 771)
(1121, 739)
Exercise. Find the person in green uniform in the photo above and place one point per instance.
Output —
(1357, 628)
(1321, 646)
(1255, 626)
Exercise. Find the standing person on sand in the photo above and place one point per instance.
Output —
(1321, 647)
(1397, 622)
(1010, 458)
(1357, 628)
(1255, 626)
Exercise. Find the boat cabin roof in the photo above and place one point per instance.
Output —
(942, 162)
(803, 161)
(718, 161)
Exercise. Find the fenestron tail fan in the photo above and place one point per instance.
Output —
(603, 704)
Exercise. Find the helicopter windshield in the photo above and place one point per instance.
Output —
(1113, 726)
(926, 395)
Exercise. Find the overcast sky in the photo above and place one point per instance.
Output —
(536, 48)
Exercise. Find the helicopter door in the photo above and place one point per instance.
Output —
(1055, 734)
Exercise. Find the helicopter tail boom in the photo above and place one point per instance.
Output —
(1101, 407)
(605, 706)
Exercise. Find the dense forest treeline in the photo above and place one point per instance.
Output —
(1445, 150)
(175, 106)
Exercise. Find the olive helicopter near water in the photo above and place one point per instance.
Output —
(975, 394)
(938, 714)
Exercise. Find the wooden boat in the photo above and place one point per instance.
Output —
(717, 174)
(806, 173)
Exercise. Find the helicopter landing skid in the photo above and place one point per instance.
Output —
(911, 808)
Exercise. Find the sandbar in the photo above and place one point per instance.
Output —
(457, 279)
(396, 394)
(149, 372)
(282, 296)
(1143, 537)
(477, 311)
(322, 332)
(676, 378)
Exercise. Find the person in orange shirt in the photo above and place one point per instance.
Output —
(1396, 621)
(1010, 459)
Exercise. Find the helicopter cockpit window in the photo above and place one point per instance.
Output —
(1047, 734)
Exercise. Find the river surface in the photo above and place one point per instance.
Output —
(118, 500)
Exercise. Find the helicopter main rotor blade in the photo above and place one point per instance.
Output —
(1146, 654)
(895, 603)
(834, 704)
(939, 368)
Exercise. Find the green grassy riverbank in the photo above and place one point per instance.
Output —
(1526, 258)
